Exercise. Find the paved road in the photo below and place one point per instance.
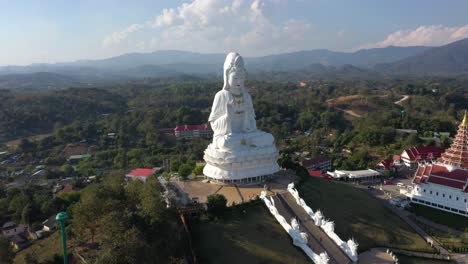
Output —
(288, 207)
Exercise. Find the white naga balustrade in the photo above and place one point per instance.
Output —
(299, 238)
(349, 247)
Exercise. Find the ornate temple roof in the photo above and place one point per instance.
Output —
(457, 154)
(451, 169)
(427, 153)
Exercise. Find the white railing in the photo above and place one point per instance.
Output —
(299, 238)
(349, 247)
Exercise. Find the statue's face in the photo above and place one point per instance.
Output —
(235, 80)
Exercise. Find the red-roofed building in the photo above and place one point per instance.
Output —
(319, 163)
(140, 174)
(385, 165)
(186, 131)
(444, 183)
(412, 156)
(69, 188)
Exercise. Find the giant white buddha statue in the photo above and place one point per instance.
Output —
(239, 153)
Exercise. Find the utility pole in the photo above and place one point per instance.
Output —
(61, 218)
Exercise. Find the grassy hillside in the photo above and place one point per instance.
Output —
(247, 234)
(360, 216)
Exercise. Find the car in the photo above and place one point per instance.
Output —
(388, 182)
(400, 184)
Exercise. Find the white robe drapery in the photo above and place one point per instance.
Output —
(221, 115)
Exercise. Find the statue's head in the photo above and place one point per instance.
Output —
(234, 72)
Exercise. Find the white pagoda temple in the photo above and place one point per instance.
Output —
(444, 184)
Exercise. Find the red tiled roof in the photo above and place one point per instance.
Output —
(396, 157)
(311, 162)
(141, 172)
(386, 164)
(69, 188)
(421, 152)
(446, 182)
(442, 171)
(315, 173)
(192, 127)
(439, 174)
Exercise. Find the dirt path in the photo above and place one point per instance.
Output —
(405, 97)
(333, 101)
(349, 112)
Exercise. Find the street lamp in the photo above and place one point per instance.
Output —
(61, 218)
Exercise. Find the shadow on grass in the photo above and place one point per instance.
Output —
(245, 234)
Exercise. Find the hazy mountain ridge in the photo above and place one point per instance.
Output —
(450, 59)
(212, 63)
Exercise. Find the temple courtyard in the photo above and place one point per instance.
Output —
(198, 189)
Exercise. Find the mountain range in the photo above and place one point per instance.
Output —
(450, 59)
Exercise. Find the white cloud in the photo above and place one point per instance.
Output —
(119, 36)
(433, 35)
(247, 26)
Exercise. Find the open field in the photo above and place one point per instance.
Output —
(14, 143)
(246, 234)
(358, 215)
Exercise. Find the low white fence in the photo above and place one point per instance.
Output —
(349, 247)
(299, 238)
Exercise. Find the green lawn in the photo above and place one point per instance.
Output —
(414, 260)
(445, 218)
(253, 237)
(356, 214)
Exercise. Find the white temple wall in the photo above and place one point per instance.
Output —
(438, 195)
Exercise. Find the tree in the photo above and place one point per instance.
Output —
(6, 253)
(26, 215)
(153, 206)
(216, 204)
(198, 170)
(184, 171)
(121, 242)
(175, 164)
(67, 170)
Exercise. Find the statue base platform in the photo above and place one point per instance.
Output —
(242, 166)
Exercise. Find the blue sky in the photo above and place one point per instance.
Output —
(63, 30)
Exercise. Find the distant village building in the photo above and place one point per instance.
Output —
(10, 229)
(68, 188)
(385, 165)
(318, 163)
(112, 135)
(443, 184)
(50, 224)
(167, 131)
(77, 158)
(140, 174)
(200, 131)
(19, 241)
(39, 173)
(406, 131)
(412, 156)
